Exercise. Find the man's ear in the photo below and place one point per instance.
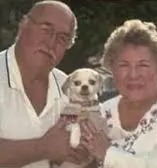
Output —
(66, 86)
(22, 24)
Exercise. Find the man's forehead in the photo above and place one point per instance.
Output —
(42, 7)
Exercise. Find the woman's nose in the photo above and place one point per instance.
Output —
(134, 72)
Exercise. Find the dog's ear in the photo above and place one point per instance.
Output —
(66, 86)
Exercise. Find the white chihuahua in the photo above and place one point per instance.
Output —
(82, 88)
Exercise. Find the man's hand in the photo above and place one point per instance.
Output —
(55, 143)
(56, 146)
(78, 155)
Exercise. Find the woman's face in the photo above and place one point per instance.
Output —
(135, 73)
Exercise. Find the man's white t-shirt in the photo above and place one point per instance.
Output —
(18, 119)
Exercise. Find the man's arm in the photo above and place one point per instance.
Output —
(54, 145)
(16, 153)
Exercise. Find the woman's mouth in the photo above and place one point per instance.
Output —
(134, 86)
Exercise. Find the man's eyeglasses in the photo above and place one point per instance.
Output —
(62, 38)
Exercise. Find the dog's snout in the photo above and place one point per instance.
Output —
(84, 87)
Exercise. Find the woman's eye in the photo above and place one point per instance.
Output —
(122, 65)
(144, 65)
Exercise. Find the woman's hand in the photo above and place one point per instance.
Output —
(94, 141)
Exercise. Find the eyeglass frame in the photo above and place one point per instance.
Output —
(51, 31)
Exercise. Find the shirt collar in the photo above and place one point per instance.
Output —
(14, 76)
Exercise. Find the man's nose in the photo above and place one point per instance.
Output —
(53, 39)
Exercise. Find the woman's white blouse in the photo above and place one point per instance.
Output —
(135, 148)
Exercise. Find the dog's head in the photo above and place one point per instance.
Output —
(83, 85)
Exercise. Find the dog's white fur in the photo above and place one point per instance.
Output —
(82, 87)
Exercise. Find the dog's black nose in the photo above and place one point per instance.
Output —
(84, 87)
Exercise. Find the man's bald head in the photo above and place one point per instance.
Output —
(39, 7)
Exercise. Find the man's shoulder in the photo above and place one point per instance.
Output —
(59, 73)
(4, 68)
(3, 65)
(2, 52)
(2, 55)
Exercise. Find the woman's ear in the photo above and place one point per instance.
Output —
(106, 83)
(101, 84)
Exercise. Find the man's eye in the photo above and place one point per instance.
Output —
(44, 27)
(77, 83)
(63, 39)
(92, 82)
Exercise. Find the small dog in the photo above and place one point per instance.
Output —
(82, 87)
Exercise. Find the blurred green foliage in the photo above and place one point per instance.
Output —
(96, 18)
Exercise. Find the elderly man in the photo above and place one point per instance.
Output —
(31, 133)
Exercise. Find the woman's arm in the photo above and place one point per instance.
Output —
(110, 156)
(117, 158)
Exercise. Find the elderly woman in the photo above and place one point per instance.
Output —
(131, 55)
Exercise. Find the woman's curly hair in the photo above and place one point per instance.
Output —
(134, 32)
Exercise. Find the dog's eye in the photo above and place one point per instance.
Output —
(92, 82)
(77, 83)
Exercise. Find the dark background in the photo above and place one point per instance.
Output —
(96, 18)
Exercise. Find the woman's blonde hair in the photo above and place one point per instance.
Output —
(133, 32)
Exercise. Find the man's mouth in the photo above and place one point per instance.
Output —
(48, 54)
